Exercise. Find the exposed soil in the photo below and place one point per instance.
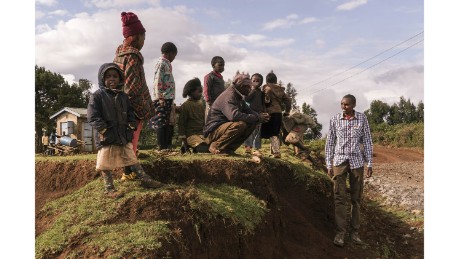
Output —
(299, 224)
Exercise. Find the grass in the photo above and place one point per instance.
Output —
(230, 202)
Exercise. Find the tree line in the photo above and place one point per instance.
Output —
(402, 112)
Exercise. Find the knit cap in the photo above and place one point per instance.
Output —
(131, 24)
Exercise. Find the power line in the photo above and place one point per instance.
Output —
(368, 67)
(327, 79)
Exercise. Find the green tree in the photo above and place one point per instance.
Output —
(407, 110)
(315, 132)
(420, 112)
(378, 112)
(52, 93)
(292, 93)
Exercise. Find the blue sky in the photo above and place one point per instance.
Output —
(303, 42)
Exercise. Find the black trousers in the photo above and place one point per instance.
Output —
(165, 136)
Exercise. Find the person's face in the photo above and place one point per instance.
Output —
(256, 81)
(196, 95)
(170, 56)
(219, 66)
(347, 106)
(141, 41)
(111, 78)
(246, 87)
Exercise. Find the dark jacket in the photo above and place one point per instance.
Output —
(111, 110)
(213, 86)
(255, 99)
(229, 106)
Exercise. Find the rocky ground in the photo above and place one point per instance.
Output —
(398, 178)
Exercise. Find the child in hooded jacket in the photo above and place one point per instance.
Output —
(278, 104)
(111, 115)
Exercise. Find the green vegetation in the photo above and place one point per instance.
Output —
(399, 135)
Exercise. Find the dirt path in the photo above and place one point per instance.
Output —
(398, 177)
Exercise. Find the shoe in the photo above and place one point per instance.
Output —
(150, 183)
(114, 194)
(277, 155)
(128, 177)
(355, 238)
(338, 240)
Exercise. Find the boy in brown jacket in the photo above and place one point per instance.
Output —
(275, 97)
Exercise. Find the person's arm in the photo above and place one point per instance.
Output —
(183, 119)
(94, 113)
(367, 146)
(232, 113)
(159, 81)
(207, 82)
(330, 145)
(132, 123)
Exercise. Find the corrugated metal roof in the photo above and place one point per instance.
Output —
(79, 112)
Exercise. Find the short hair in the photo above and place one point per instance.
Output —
(191, 86)
(217, 59)
(168, 47)
(271, 78)
(260, 76)
(351, 97)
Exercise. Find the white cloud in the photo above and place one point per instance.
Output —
(39, 14)
(42, 28)
(59, 12)
(289, 21)
(351, 5)
(69, 78)
(120, 3)
(46, 2)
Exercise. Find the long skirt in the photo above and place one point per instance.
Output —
(113, 156)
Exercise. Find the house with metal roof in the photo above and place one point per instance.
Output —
(73, 122)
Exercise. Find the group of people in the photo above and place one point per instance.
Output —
(242, 113)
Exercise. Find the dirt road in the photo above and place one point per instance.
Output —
(398, 177)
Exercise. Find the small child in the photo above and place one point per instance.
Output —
(164, 90)
(214, 83)
(275, 98)
(255, 99)
(191, 118)
(111, 115)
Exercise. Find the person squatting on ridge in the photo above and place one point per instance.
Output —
(230, 120)
(348, 146)
(111, 115)
(275, 98)
(130, 60)
(214, 83)
(191, 118)
(164, 90)
(255, 99)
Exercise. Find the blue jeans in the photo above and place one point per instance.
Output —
(254, 139)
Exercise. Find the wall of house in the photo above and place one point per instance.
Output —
(78, 128)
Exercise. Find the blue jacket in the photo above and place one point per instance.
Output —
(111, 110)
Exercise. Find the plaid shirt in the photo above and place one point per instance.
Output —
(349, 140)
(130, 61)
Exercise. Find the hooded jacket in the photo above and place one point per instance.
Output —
(110, 112)
(275, 97)
(131, 61)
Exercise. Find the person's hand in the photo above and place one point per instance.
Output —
(161, 101)
(265, 117)
(330, 172)
(267, 89)
(285, 114)
(369, 172)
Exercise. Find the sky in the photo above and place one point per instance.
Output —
(304, 42)
(325, 49)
